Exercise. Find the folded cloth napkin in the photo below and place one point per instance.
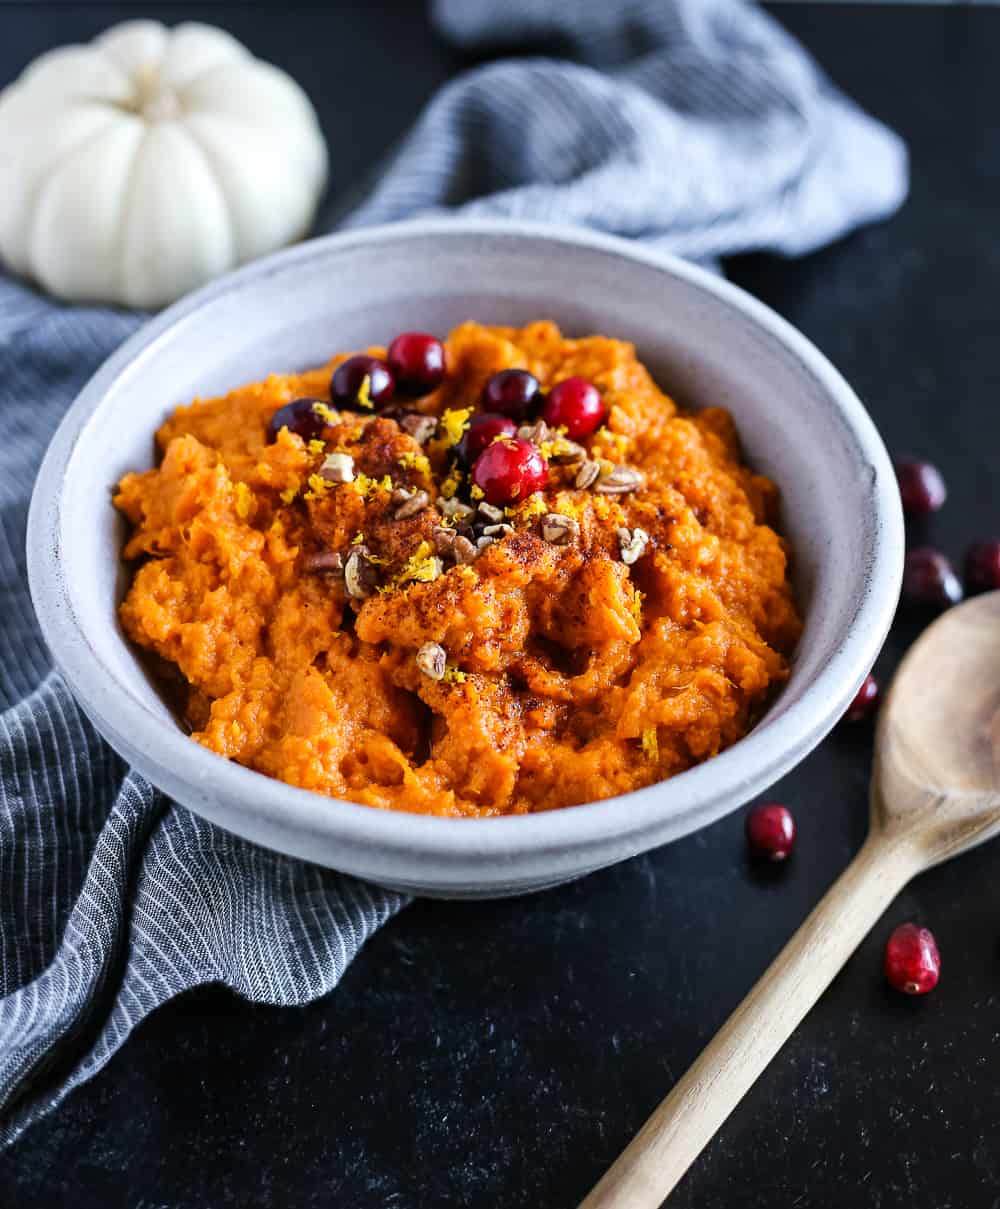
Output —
(707, 131)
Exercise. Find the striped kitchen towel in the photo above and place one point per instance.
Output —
(697, 125)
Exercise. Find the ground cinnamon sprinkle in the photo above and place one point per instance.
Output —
(355, 617)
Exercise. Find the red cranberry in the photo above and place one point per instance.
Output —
(982, 567)
(921, 486)
(300, 417)
(770, 831)
(512, 392)
(349, 377)
(417, 362)
(509, 470)
(912, 960)
(482, 431)
(929, 580)
(576, 405)
(864, 704)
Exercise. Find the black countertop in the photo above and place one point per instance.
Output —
(503, 1053)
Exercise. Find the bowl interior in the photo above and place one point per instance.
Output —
(701, 350)
(705, 342)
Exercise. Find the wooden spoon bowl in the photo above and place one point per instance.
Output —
(935, 792)
(937, 758)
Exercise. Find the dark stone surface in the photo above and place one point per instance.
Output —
(502, 1054)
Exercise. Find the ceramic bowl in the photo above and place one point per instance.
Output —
(706, 341)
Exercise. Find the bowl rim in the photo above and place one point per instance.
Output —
(710, 789)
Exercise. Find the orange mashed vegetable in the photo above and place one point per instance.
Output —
(570, 675)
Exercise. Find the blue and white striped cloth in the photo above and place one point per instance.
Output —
(696, 124)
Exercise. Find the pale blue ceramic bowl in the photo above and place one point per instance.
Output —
(705, 340)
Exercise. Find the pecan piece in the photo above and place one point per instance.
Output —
(337, 468)
(432, 660)
(454, 508)
(489, 513)
(634, 543)
(443, 539)
(415, 503)
(462, 550)
(360, 575)
(559, 529)
(421, 428)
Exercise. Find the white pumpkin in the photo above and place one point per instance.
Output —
(141, 165)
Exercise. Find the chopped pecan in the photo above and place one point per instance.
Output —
(559, 529)
(443, 539)
(360, 575)
(337, 468)
(421, 428)
(454, 508)
(415, 503)
(462, 550)
(634, 543)
(432, 660)
(489, 513)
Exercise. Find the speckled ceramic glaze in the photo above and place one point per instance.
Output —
(707, 343)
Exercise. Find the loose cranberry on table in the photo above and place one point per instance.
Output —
(770, 831)
(512, 392)
(912, 960)
(982, 567)
(417, 361)
(576, 405)
(482, 432)
(350, 376)
(509, 470)
(299, 416)
(929, 580)
(921, 486)
(865, 701)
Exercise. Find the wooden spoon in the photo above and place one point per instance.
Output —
(935, 792)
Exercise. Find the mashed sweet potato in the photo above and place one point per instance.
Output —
(606, 640)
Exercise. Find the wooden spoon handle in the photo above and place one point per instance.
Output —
(673, 1137)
